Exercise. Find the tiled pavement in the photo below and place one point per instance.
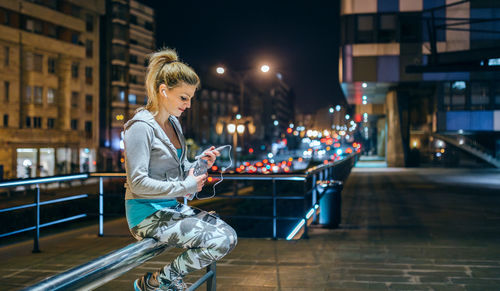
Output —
(403, 229)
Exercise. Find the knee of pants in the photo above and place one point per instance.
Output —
(230, 240)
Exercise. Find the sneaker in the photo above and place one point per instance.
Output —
(142, 284)
(175, 285)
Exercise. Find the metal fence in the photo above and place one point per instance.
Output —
(334, 170)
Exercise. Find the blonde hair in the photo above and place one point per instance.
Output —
(165, 68)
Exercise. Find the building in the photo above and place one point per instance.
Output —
(128, 38)
(49, 87)
(423, 74)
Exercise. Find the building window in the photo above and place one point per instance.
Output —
(51, 122)
(29, 25)
(132, 98)
(51, 30)
(37, 122)
(89, 48)
(119, 31)
(6, 17)
(5, 120)
(88, 129)
(28, 97)
(28, 122)
(387, 28)
(6, 56)
(74, 124)
(496, 95)
(133, 19)
(89, 21)
(75, 96)
(118, 94)
(133, 59)
(38, 95)
(6, 86)
(119, 52)
(28, 64)
(38, 63)
(74, 38)
(51, 95)
(38, 26)
(51, 65)
(458, 91)
(366, 31)
(74, 70)
(89, 103)
(88, 75)
(118, 73)
(480, 95)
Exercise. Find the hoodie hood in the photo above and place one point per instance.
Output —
(147, 117)
(144, 116)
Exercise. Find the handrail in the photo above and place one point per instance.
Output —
(103, 269)
(42, 180)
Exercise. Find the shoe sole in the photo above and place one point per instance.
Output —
(136, 285)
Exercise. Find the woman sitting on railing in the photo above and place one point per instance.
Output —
(158, 173)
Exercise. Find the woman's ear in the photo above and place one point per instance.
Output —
(162, 90)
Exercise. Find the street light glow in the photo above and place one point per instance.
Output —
(264, 68)
(238, 116)
(240, 128)
(330, 110)
(231, 128)
(276, 123)
(364, 85)
(338, 107)
(220, 70)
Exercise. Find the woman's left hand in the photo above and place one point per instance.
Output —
(210, 156)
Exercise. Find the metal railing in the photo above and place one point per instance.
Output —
(37, 203)
(114, 264)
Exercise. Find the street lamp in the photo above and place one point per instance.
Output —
(240, 128)
(235, 125)
(231, 128)
(220, 70)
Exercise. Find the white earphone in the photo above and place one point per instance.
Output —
(164, 93)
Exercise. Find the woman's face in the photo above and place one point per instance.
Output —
(177, 99)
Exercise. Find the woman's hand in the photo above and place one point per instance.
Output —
(200, 180)
(210, 155)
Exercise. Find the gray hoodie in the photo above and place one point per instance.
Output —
(154, 171)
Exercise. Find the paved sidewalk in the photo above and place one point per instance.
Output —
(401, 230)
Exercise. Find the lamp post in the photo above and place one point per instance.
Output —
(235, 126)
(238, 124)
(231, 129)
(241, 77)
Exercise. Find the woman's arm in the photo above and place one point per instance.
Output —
(138, 140)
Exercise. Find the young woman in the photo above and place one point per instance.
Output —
(158, 173)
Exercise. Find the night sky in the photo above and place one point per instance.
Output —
(298, 38)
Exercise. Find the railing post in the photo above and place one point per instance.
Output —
(212, 281)
(314, 198)
(101, 207)
(235, 187)
(36, 248)
(274, 208)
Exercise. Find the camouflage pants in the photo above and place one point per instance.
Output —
(206, 237)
